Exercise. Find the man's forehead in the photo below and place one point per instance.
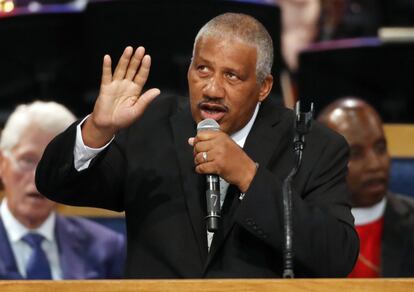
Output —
(362, 133)
(234, 51)
(221, 40)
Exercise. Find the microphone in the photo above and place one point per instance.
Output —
(213, 184)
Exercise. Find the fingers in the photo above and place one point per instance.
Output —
(142, 75)
(204, 141)
(131, 66)
(191, 141)
(106, 70)
(208, 167)
(202, 146)
(135, 63)
(207, 135)
(205, 162)
(123, 62)
(202, 157)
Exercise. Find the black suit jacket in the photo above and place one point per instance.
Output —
(398, 237)
(148, 171)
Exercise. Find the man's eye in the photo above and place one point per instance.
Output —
(380, 148)
(355, 154)
(232, 76)
(202, 69)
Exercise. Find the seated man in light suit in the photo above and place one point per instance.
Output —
(35, 242)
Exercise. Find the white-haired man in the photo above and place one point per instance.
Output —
(35, 242)
(155, 167)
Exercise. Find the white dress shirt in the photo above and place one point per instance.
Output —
(21, 250)
(369, 214)
(84, 154)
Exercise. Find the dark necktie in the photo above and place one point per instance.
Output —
(38, 266)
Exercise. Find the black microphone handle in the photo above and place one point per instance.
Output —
(213, 184)
(213, 202)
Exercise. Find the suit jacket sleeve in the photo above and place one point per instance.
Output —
(324, 240)
(99, 186)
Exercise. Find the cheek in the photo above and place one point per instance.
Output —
(14, 187)
(386, 162)
(12, 180)
(350, 181)
(195, 83)
(354, 173)
(195, 93)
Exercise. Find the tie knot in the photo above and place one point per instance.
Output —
(33, 239)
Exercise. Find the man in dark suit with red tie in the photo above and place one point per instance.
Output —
(145, 156)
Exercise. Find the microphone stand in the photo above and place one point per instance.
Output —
(302, 126)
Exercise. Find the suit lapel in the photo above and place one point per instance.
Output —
(8, 266)
(396, 238)
(264, 130)
(193, 184)
(70, 250)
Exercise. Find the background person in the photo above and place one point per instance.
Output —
(384, 221)
(36, 242)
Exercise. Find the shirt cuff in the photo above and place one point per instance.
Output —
(83, 154)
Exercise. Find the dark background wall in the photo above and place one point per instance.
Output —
(58, 55)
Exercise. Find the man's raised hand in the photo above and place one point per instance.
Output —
(120, 101)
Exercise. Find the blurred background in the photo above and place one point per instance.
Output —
(324, 49)
(54, 49)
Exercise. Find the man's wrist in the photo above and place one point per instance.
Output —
(94, 137)
(249, 176)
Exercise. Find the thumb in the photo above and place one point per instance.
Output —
(146, 98)
(191, 141)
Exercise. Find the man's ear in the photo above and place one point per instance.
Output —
(266, 87)
(2, 162)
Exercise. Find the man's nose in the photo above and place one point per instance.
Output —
(214, 87)
(373, 161)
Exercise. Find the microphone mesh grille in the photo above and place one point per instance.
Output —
(208, 124)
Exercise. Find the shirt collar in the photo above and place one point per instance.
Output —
(369, 214)
(15, 230)
(240, 136)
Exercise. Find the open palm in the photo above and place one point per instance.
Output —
(120, 101)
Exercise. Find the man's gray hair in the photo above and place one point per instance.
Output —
(245, 29)
(49, 116)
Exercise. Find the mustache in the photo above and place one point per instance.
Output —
(375, 180)
(211, 103)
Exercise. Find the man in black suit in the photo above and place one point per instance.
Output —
(384, 220)
(155, 167)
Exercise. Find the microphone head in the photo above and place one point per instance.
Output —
(208, 124)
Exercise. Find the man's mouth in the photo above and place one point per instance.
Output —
(212, 110)
(36, 196)
(375, 185)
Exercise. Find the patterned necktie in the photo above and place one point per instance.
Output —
(38, 265)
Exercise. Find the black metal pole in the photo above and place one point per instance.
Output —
(302, 125)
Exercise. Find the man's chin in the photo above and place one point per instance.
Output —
(38, 207)
(367, 199)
